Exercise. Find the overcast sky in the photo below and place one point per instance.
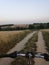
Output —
(24, 11)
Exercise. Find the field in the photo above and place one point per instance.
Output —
(46, 38)
(30, 46)
(9, 38)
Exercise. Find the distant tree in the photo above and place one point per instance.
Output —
(37, 27)
(0, 28)
(41, 26)
(31, 26)
(47, 25)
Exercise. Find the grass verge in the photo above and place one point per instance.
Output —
(29, 46)
(9, 39)
(46, 38)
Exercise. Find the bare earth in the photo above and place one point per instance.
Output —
(40, 48)
(18, 47)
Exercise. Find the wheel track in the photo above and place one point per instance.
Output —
(18, 47)
(41, 48)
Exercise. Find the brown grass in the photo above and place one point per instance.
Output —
(45, 30)
(9, 38)
(5, 36)
(46, 38)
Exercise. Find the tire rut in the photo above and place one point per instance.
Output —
(18, 47)
(41, 48)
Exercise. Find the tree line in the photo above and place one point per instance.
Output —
(30, 26)
(12, 28)
(39, 26)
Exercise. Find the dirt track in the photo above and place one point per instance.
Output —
(18, 47)
(40, 48)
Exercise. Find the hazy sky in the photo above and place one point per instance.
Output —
(24, 11)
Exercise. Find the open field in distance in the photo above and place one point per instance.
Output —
(45, 30)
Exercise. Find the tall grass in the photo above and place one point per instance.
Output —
(29, 47)
(9, 39)
(46, 38)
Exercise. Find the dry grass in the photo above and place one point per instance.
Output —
(30, 46)
(45, 30)
(5, 36)
(9, 38)
(46, 38)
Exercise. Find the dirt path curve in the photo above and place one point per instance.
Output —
(18, 47)
(40, 48)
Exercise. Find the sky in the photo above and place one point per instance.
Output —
(24, 11)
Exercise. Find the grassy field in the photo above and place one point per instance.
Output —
(46, 38)
(9, 38)
(45, 30)
(30, 46)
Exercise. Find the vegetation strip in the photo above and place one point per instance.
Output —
(30, 46)
(10, 40)
(46, 38)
